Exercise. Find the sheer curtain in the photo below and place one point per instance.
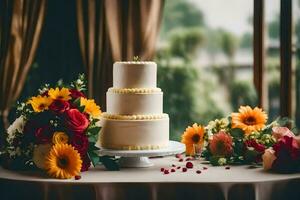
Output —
(114, 30)
(20, 27)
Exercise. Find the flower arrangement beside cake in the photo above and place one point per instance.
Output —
(56, 131)
(246, 138)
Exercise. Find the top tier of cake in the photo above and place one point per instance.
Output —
(134, 74)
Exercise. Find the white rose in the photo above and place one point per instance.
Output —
(39, 155)
(16, 126)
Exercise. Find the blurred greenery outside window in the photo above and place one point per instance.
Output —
(195, 91)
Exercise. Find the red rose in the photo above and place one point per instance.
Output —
(86, 163)
(80, 143)
(76, 94)
(43, 134)
(59, 106)
(287, 152)
(76, 121)
(260, 148)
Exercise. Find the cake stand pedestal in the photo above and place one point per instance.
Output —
(140, 158)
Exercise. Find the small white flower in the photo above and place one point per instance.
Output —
(79, 82)
(222, 161)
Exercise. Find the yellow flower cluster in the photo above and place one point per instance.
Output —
(90, 107)
(41, 103)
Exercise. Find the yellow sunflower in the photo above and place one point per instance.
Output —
(61, 94)
(40, 103)
(193, 135)
(248, 119)
(60, 138)
(63, 161)
(90, 107)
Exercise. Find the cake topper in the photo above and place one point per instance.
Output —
(136, 59)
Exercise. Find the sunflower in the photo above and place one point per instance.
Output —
(63, 161)
(40, 103)
(90, 107)
(193, 135)
(248, 119)
(61, 94)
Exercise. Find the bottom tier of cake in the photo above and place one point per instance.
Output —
(131, 134)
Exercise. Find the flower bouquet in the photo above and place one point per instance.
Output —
(241, 138)
(284, 155)
(56, 131)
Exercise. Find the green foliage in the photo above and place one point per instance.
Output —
(273, 27)
(110, 163)
(178, 84)
(185, 43)
(246, 41)
(229, 44)
(180, 14)
(242, 93)
(181, 98)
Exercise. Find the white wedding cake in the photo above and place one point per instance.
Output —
(134, 119)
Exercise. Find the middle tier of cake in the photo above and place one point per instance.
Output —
(134, 101)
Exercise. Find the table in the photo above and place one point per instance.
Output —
(238, 182)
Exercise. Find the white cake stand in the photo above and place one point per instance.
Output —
(139, 158)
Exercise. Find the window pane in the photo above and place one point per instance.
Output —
(272, 16)
(296, 57)
(205, 56)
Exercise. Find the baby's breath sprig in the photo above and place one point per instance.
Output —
(44, 88)
(136, 58)
(80, 83)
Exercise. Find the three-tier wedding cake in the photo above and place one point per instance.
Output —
(134, 119)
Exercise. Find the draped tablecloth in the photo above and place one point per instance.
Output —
(238, 182)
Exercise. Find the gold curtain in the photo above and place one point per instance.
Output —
(21, 42)
(115, 30)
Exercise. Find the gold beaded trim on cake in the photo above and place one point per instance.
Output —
(134, 90)
(134, 117)
(133, 147)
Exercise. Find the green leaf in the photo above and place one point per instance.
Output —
(92, 147)
(94, 130)
(77, 102)
(81, 108)
(250, 156)
(237, 133)
(92, 139)
(109, 163)
(94, 157)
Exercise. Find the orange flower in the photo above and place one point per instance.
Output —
(193, 135)
(221, 144)
(63, 161)
(248, 119)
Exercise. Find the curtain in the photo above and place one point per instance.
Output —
(115, 30)
(20, 34)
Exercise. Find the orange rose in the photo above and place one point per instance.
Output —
(268, 158)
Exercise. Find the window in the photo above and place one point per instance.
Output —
(206, 52)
